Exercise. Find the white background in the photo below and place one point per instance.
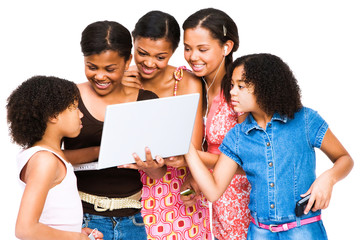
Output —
(318, 39)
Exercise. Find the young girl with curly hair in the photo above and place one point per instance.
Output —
(40, 112)
(274, 147)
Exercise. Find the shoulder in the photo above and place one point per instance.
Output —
(85, 89)
(190, 83)
(44, 159)
(42, 164)
(307, 113)
(82, 86)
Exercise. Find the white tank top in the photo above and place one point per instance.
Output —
(62, 209)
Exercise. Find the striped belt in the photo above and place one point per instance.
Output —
(102, 204)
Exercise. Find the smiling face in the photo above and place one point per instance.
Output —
(105, 71)
(203, 53)
(151, 56)
(242, 94)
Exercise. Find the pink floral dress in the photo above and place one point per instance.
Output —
(165, 215)
(231, 215)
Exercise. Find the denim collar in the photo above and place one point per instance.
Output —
(250, 123)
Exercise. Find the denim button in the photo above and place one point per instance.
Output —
(272, 184)
(270, 164)
(267, 144)
(272, 205)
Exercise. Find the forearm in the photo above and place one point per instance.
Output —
(341, 168)
(41, 231)
(82, 155)
(202, 175)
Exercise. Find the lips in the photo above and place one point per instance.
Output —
(101, 85)
(147, 70)
(197, 67)
(234, 102)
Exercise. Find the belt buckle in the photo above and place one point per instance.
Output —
(271, 226)
(98, 201)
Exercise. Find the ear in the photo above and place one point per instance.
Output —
(127, 63)
(228, 46)
(54, 119)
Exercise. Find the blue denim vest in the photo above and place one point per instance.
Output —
(279, 161)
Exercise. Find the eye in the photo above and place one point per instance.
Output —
(141, 53)
(203, 49)
(160, 58)
(91, 67)
(110, 70)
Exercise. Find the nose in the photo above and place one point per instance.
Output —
(100, 75)
(233, 91)
(193, 56)
(149, 62)
(81, 115)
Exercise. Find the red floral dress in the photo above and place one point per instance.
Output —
(165, 215)
(231, 215)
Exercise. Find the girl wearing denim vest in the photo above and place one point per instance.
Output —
(274, 147)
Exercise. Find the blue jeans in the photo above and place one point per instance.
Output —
(117, 228)
(312, 231)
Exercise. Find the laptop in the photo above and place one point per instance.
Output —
(165, 125)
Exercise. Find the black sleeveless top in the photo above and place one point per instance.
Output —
(109, 182)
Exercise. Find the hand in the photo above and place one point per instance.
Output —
(191, 199)
(132, 78)
(148, 165)
(97, 234)
(320, 191)
(155, 169)
(176, 162)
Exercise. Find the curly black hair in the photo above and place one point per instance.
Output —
(31, 104)
(275, 86)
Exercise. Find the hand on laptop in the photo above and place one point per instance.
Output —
(155, 169)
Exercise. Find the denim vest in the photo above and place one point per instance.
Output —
(279, 162)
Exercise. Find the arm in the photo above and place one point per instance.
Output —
(209, 159)
(322, 187)
(83, 155)
(212, 185)
(43, 171)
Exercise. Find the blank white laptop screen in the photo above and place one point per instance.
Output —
(164, 125)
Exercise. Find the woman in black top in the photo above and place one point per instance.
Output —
(107, 47)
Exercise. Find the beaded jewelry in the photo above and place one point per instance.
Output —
(178, 75)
